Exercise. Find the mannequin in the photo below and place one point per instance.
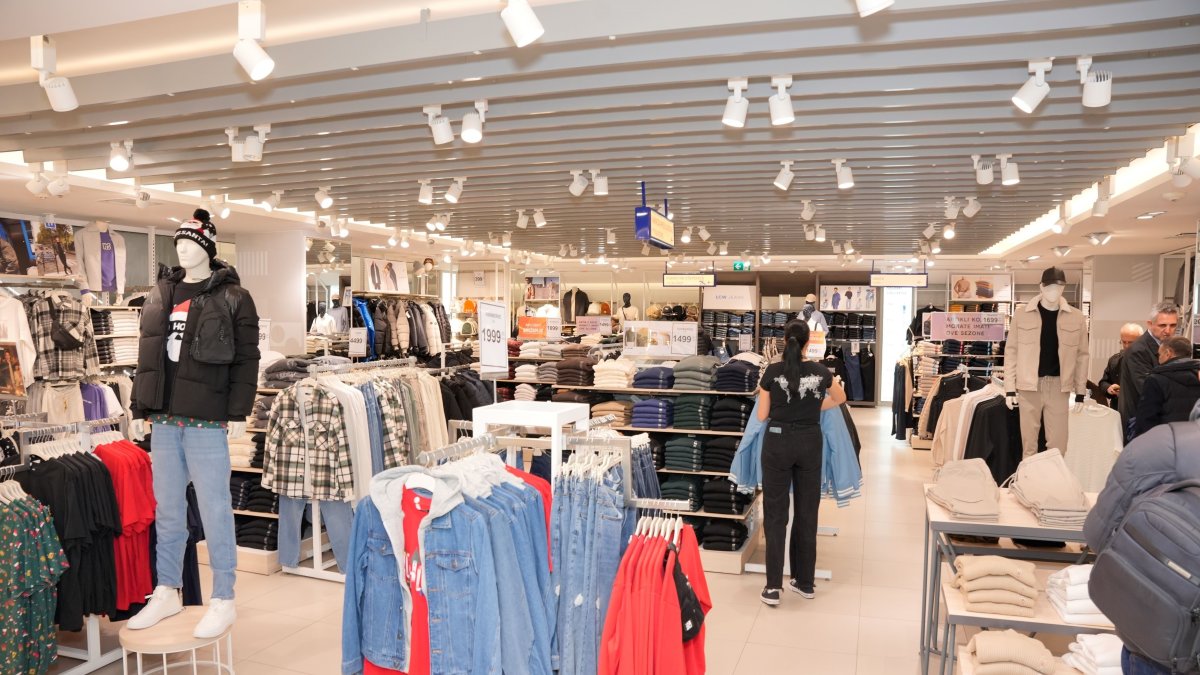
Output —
(628, 312)
(574, 303)
(196, 378)
(100, 253)
(323, 324)
(1045, 362)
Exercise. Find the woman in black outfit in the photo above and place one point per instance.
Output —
(790, 400)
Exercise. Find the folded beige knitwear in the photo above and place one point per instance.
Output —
(994, 583)
(971, 567)
(1002, 597)
(1009, 646)
(999, 608)
(1004, 669)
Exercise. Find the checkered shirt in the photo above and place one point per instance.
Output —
(321, 435)
(395, 424)
(55, 364)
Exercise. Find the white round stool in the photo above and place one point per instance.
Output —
(174, 636)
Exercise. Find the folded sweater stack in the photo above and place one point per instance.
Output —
(723, 535)
(1068, 592)
(693, 411)
(966, 488)
(615, 373)
(737, 375)
(721, 496)
(731, 413)
(719, 452)
(696, 373)
(526, 372)
(995, 585)
(622, 410)
(1005, 652)
(590, 339)
(1095, 654)
(574, 351)
(684, 453)
(530, 350)
(285, 372)
(575, 372)
(685, 488)
(547, 372)
(525, 392)
(658, 377)
(551, 350)
(654, 413)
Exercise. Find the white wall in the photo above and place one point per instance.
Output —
(272, 268)
(1124, 289)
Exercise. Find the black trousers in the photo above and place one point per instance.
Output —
(791, 461)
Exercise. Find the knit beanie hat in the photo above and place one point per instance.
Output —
(200, 231)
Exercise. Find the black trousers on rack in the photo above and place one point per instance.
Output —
(791, 471)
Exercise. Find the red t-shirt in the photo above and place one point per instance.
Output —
(543, 487)
(668, 644)
(415, 508)
(693, 569)
(129, 467)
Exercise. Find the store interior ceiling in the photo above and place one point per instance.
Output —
(635, 90)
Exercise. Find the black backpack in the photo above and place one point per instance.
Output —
(1147, 582)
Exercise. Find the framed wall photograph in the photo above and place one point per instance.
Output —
(981, 288)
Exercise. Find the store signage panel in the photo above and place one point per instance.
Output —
(729, 298)
(385, 276)
(742, 265)
(689, 280)
(981, 287)
(652, 226)
(553, 328)
(847, 298)
(900, 280)
(593, 325)
(358, 342)
(531, 328)
(493, 335)
(663, 339)
(815, 350)
(967, 326)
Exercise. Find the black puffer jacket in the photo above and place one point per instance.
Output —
(218, 358)
(1168, 394)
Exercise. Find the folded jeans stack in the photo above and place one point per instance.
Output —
(654, 413)
(526, 372)
(658, 377)
(737, 375)
(547, 372)
(693, 411)
(622, 410)
(1045, 485)
(995, 585)
(719, 453)
(684, 488)
(730, 413)
(615, 373)
(1001, 652)
(1068, 592)
(696, 373)
(1095, 654)
(967, 490)
(723, 535)
(575, 372)
(721, 496)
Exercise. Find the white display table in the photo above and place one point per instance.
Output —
(539, 414)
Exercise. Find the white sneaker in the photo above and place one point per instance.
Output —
(220, 616)
(162, 603)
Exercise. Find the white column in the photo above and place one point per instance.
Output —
(272, 269)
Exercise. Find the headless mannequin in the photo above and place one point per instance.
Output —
(195, 264)
(628, 312)
(90, 298)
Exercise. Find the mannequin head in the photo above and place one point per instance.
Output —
(1054, 281)
(321, 308)
(196, 245)
(626, 299)
(191, 256)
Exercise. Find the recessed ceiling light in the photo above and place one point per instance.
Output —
(323, 133)
(1150, 214)
(327, 168)
(118, 123)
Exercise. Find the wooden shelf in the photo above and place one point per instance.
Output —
(112, 307)
(268, 390)
(727, 516)
(246, 469)
(673, 430)
(542, 359)
(120, 364)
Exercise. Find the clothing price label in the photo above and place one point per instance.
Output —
(593, 325)
(358, 342)
(553, 328)
(493, 334)
(683, 339)
(745, 343)
(264, 335)
(816, 346)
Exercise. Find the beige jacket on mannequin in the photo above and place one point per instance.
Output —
(87, 251)
(1024, 349)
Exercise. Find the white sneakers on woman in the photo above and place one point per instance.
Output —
(164, 602)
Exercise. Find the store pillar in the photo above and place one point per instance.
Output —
(272, 269)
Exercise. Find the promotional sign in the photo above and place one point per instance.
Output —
(358, 342)
(815, 350)
(698, 280)
(785, 301)
(541, 288)
(729, 297)
(593, 325)
(479, 278)
(981, 287)
(348, 298)
(553, 328)
(900, 280)
(745, 343)
(493, 335)
(741, 265)
(967, 326)
(847, 299)
(652, 226)
(664, 339)
(385, 276)
(531, 328)
(264, 335)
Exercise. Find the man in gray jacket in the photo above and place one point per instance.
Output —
(1141, 358)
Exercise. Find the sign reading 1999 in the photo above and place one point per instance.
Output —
(493, 335)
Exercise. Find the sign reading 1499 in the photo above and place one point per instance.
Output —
(741, 266)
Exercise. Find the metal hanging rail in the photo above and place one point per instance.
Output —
(459, 449)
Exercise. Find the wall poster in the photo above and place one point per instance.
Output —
(847, 299)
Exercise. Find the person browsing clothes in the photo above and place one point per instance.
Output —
(791, 397)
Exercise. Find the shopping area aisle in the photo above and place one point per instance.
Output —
(865, 621)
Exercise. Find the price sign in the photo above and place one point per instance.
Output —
(593, 325)
(264, 335)
(532, 328)
(358, 342)
(816, 346)
(683, 339)
(479, 278)
(972, 326)
(745, 343)
(554, 328)
(493, 335)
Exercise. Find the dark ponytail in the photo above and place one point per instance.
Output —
(796, 334)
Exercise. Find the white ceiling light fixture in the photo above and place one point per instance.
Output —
(1061, 251)
(820, 234)
(1010, 174)
(522, 23)
(1034, 91)
(506, 239)
(949, 232)
(984, 173)
(930, 231)
(737, 106)
(271, 203)
(573, 251)
(1099, 238)
(323, 199)
(141, 198)
(1180, 179)
(221, 206)
(539, 218)
(442, 222)
(472, 123)
(868, 7)
(425, 193)
(439, 124)
(431, 224)
(845, 177)
(446, 257)
(1103, 195)
(252, 27)
(610, 235)
(1097, 84)
(250, 148)
(44, 59)
(810, 233)
(780, 103)
(703, 233)
(120, 156)
(493, 239)
(343, 228)
(454, 192)
(394, 239)
(783, 181)
(404, 241)
(1060, 224)
(686, 236)
(599, 183)
(765, 258)
(951, 209)
(809, 211)
(972, 208)
(848, 247)
(579, 183)
(645, 248)
(562, 250)
(935, 246)
(712, 248)
(522, 220)
(837, 248)
(37, 181)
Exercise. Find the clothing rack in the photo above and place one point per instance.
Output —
(624, 445)
(459, 449)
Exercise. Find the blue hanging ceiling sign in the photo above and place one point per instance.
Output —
(649, 225)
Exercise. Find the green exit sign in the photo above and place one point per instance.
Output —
(741, 265)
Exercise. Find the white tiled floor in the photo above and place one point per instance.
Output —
(863, 622)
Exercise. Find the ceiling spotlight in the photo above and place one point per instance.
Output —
(1061, 251)
(931, 261)
(539, 218)
(439, 124)
(599, 183)
(868, 7)
(324, 200)
(392, 240)
(454, 192)
(737, 106)
(522, 24)
(404, 241)
(984, 175)
(222, 206)
(121, 155)
(948, 231)
(578, 184)
(431, 224)
(562, 250)
(1009, 174)
(1180, 179)
(141, 198)
(935, 246)
(252, 27)
(845, 177)
(446, 257)
(930, 231)
(765, 258)
(712, 248)
(848, 247)
(645, 248)
(780, 102)
(442, 221)
(810, 233)
(1035, 89)
(686, 237)
(972, 208)
(703, 233)
(1097, 84)
(472, 123)
(1060, 224)
(343, 228)
(572, 251)
(506, 240)
(37, 184)
(809, 211)
(250, 148)
(784, 180)
(837, 248)
(1099, 238)
(44, 59)
(494, 240)
(271, 203)
(820, 234)
(522, 220)
(951, 209)
(601, 260)
(425, 194)
(610, 235)
(859, 257)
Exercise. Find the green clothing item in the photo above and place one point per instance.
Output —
(31, 561)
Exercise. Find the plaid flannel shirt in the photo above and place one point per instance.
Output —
(321, 435)
(55, 364)
(395, 424)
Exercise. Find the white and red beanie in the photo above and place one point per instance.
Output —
(201, 231)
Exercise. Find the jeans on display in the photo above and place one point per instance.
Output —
(374, 425)
(1134, 664)
(336, 516)
(608, 532)
(854, 373)
(201, 456)
(791, 461)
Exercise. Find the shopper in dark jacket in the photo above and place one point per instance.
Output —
(1141, 358)
(1110, 382)
(1172, 388)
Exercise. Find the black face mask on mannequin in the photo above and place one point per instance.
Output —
(626, 299)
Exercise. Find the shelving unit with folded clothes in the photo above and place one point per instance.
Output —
(116, 330)
(727, 326)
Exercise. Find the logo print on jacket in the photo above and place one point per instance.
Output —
(176, 322)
